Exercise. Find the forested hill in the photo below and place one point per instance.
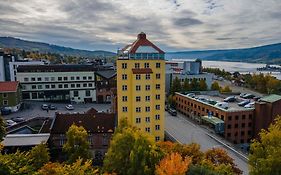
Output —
(10, 42)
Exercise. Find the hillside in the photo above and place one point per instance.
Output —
(263, 54)
(10, 42)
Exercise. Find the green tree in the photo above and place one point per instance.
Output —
(176, 86)
(273, 85)
(194, 85)
(171, 101)
(2, 128)
(265, 153)
(77, 145)
(131, 152)
(203, 85)
(201, 170)
(39, 155)
(186, 85)
(226, 89)
(215, 86)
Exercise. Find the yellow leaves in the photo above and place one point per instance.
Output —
(173, 164)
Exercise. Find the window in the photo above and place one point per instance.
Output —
(124, 65)
(157, 86)
(124, 109)
(75, 93)
(242, 133)
(65, 85)
(39, 86)
(157, 96)
(60, 85)
(84, 78)
(157, 107)
(157, 138)
(25, 79)
(72, 78)
(138, 87)
(89, 78)
(138, 120)
(236, 126)
(52, 78)
(59, 78)
(138, 109)
(157, 76)
(73, 85)
(138, 76)
(158, 65)
(84, 84)
(243, 117)
(249, 124)
(88, 93)
(32, 79)
(47, 86)
(124, 76)
(157, 117)
(5, 95)
(33, 87)
(250, 116)
(146, 65)
(228, 134)
(157, 127)
(228, 126)
(147, 87)
(147, 129)
(243, 125)
(138, 98)
(137, 65)
(90, 85)
(124, 98)
(236, 117)
(147, 98)
(78, 85)
(147, 109)
(249, 133)
(229, 118)
(124, 87)
(147, 119)
(5, 102)
(147, 76)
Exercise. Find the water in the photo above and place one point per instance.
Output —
(241, 67)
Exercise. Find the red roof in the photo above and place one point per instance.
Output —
(9, 86)
(142, 41)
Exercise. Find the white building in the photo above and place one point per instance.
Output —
(74, 83)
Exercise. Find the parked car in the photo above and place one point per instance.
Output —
(192, 95)
(18, 119)
(250, 105)
(10, 123)
(173, 112)
(230, 99)
(242, 94)
(52, 107)
(44, 107)
(223, 105)
(243, 103)
(248, 96)
(256, 98)
(69, 107)
(5, 111)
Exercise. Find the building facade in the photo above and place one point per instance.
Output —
(72, 83)
(238, 121)
(141, 86)
(105, 85)
(10, 95)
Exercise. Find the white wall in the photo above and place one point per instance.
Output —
(2, 69)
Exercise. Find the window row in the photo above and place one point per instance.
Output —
(60, 86)
(139, 109)
(26, 79)
(138, 98)
(138, 66)
(138, 87)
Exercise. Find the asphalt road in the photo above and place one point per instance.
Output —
(35, 110)
(187, 132)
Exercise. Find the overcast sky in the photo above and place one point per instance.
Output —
(172, 24)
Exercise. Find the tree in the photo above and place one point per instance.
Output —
(171, 101)
(203, 85)
(77, 145)
(201, 170)
(226, 89)
(215, 86)
(186, 85)
(176, 86)
(173, 164)
(131, 152)
(273, 85)
(39, 155)
(194, 85)
(265, 153)
(2, 129)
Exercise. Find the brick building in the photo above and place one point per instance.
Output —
(238, 121)
(105, 85)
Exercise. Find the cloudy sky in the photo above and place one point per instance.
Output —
(172, 24)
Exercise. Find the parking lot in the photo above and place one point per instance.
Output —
(33, 109)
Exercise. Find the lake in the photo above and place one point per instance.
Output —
(241, 67)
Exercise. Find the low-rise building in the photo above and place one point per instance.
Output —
(10, 95)
(238, 121)
(73, 83)
(186, 70)
(105, 85)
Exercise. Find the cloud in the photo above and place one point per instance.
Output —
(171, 24)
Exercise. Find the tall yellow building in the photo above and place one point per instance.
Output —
(141, 86)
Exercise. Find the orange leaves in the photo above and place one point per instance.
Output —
(173, 164)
